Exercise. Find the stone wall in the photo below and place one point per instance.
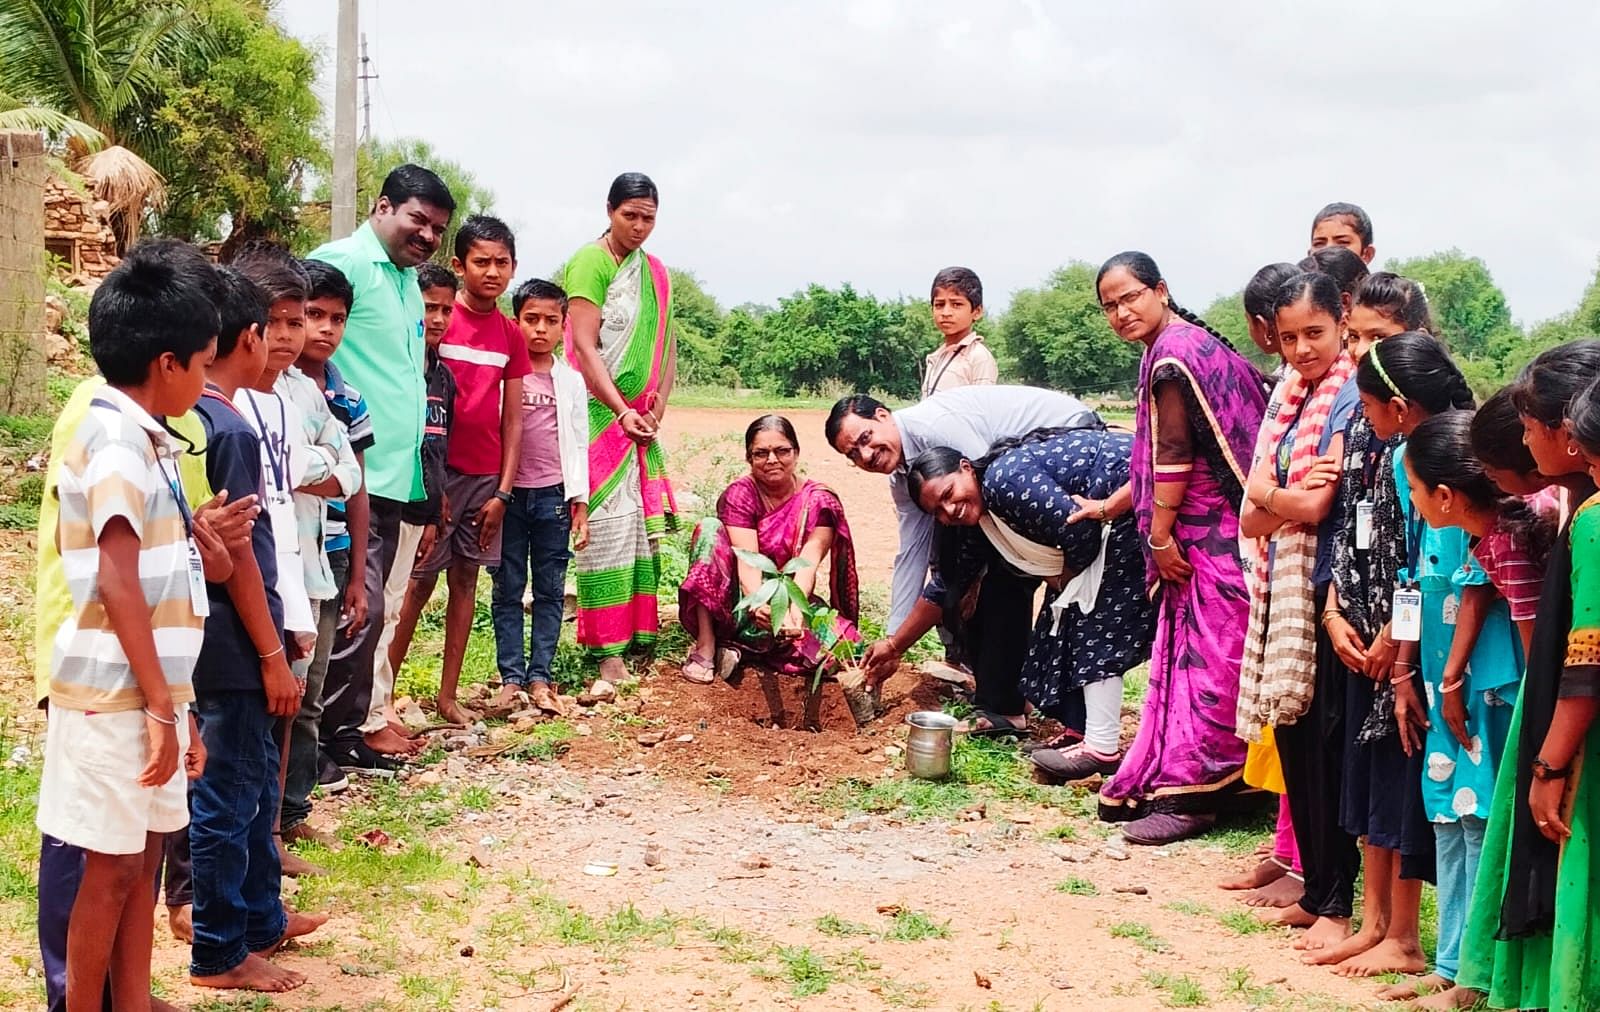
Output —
(76, 230)
(23, 172)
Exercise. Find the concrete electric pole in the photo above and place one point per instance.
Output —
(344, 123)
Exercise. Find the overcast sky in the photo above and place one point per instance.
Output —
(875, 141)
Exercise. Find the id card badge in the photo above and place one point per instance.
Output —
(284, 529)
(1406, 621)
(1363, 526)
(197, 582)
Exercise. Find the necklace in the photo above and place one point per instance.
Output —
(611, 249)
(769, 503)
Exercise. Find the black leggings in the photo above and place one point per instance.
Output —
(1312, 753)
(996, 638)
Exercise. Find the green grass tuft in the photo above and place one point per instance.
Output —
(1181, 992)
(1077, 887)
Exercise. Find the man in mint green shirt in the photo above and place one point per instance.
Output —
(383, 356)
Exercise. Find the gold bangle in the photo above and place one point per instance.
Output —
(1330, 615)
(1164, 505)
(1102, 511)
(1155, 547)
(1266, 503)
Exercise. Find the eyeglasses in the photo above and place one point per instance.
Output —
(1126, 300)
(776, 453)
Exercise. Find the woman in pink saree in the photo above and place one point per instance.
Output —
(775, 512)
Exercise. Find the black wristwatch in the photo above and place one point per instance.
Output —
(503, 496)
(1544, 771)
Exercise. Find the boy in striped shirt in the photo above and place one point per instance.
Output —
(122, 665)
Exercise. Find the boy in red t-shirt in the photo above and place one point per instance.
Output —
(486, 353)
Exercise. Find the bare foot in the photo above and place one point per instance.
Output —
(293, 865)
(180, 921)
(1389, 956)
(386, 742)
(1321, 936)
(1370, 934)
(1456, 997)
(1285, 892)
(1266, 872)
(506, 701)
(254, 974)
(1421, 987)
(613, 669)
(454, 713)
(295, 925)
(540, 694)
(1265, 848)
(1293, 916)
(400, 729)
(157, 1005)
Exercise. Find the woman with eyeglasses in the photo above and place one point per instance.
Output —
(773, 511)
(1200, 405)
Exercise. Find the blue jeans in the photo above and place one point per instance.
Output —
(1459, 846)
(306, 733)
(232, 808)
(533, 539)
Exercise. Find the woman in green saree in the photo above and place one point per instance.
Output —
(620, 336)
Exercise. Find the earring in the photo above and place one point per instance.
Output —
(1572, 451)
(1447, 507)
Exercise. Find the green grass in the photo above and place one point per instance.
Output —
(542, 742)
(837, 927)
(1140, 935)
(1181, 992)
(1242, 986)
(1243, 922)
(1066, 831)
(915, 926)
(806, 972)
(1240, 835)
(1077, 887)
(1189, 908)
(477, 797)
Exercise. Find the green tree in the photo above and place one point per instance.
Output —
(822, 337)
(1056, 336)
(698, 319)
(1469, 310)
(237, 131)
(1226, 315)
(104, 64)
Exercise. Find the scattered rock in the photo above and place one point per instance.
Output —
(684, 739)
(429, 778)
(1072, 855)
(652, 855)
(755, 862)
(974, 813)
(468, 951)
(1134, 890)
(922, 855)
(824, 823)
(478, 858)
(1061, 982)
(650, 739)
(601, 691)
(982, 981)
(1115, 852)
(1022, 819)
(377, 839)
(890, 909)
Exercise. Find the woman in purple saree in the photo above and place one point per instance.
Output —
(771, 510)
(1199, 407)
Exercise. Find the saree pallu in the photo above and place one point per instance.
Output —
(631, 503)
(1186, 757)
(712, 582)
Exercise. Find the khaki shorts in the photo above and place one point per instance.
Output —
(458, 539)
(89, 794)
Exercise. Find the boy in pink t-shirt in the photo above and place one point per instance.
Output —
(486, 353)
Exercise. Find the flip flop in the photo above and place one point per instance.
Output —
(706, 671)
(727, 662)
(1000, 726)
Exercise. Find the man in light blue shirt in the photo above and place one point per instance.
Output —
(969, 420)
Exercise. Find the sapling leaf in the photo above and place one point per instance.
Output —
(796, 564)
(780, 603)
(758, 597)
(757, 561)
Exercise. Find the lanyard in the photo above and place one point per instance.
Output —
(1414, 531)
(279, 471)
(174, 481)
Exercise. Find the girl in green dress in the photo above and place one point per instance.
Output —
(1532, 934)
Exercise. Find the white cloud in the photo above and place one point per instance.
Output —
(875, 142)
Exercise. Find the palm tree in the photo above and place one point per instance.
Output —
(88, 70)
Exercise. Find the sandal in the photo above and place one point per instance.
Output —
(698, 668)
(1066, 739)
(1000, 726)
